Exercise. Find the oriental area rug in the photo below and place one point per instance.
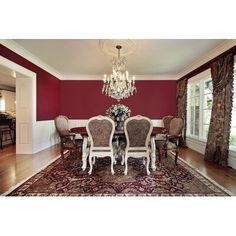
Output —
(68, 179)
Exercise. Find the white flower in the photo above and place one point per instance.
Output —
(118, 111)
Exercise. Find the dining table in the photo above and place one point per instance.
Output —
(118, 133)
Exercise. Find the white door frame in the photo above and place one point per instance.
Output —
(25, 129)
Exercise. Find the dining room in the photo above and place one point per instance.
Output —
(117, 117)
(101, 118)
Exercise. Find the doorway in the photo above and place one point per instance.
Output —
(25, 83)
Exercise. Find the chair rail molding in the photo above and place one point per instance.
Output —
(83, 122)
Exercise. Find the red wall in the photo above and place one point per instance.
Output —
(48, 86)
(83, 99)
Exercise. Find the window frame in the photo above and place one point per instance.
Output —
(201, 78)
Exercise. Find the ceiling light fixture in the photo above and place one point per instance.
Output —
(119, 85)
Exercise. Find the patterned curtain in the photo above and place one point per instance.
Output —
(181, 100)
(217, 147)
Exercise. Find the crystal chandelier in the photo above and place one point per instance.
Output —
(119, 85)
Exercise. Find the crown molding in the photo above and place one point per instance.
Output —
(12, 45)
(137, 77)
(224, 46)
(22, 71)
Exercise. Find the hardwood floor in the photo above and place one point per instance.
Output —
(225, 176)
(15, 168)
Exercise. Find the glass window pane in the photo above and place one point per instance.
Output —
(197, 101)
(197, 89)
(206, 116)
(191, 120)
(207, 100)
(205, 131)
(197, 108)
(208, 88)
(233, 137)
(234, 100)
(233, 118)
(192, 102)
(191, 90)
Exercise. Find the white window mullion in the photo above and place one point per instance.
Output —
(201, 109)
(197, 97)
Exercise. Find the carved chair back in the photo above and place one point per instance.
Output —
(176, 126)
(166, 121)
(100, 131)
(138, 131)
(62, 126)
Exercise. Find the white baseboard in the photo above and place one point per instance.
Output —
(200, 146)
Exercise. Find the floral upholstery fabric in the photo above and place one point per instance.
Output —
(166, 121)
(137, 132)
(181, 100)
(217, 148)
(176, 126)
(101, 131)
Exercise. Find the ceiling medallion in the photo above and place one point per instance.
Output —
(108, 46)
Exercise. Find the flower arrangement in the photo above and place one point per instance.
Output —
(118, 112)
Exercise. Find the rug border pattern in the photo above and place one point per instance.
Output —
(214, 186)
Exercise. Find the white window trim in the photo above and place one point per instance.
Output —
(199, 78)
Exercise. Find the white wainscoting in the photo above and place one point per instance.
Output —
(200, 147)
(45, 135)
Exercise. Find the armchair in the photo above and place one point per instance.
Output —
(172, 137)
(67, 138)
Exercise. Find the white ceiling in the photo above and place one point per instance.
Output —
(7, 77)
(152, 56)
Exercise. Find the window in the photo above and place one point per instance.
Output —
(2, 103)
(194, 98)
(207, 106)
(199, 105)
(233, 118)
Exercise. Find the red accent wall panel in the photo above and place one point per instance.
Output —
(83, 99)
(48, 86)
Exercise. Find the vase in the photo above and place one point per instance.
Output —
(120, 125)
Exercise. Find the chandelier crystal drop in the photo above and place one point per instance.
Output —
(119, 85)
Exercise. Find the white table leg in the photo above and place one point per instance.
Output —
(84, 153)
(153, 153)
